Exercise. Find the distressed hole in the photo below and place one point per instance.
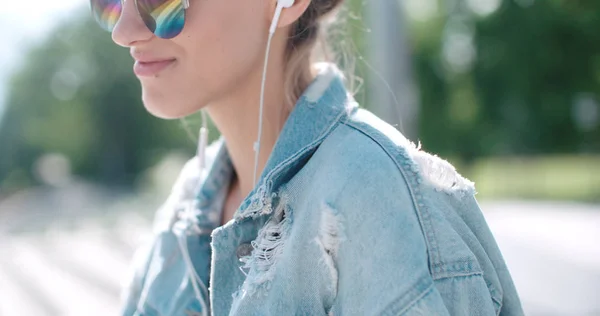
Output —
(267, 249)
(328, 240)
(330, 230)
(267, 245)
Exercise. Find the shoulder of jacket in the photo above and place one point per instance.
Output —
(440, 196)
(420, 168)
(378, 158)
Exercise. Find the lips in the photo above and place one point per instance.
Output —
(149, 68)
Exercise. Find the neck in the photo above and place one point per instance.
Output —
(236, 117)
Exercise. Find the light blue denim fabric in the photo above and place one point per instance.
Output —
(348, 218)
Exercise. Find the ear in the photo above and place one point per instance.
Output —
(291, 14)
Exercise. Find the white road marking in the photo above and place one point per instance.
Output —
(71, 295)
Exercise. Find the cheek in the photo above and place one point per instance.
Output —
(220, 46)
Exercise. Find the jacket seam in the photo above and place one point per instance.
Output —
(495, 297)
(419, 206)
(492, 289)
(459, 275)
(456, 268)
(315, 143)
(396, 308)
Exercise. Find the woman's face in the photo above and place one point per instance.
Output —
(220, 46)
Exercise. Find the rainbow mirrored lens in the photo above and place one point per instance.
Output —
(165, 18)
(106, 12)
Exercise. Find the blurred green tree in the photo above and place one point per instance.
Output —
(524, 79)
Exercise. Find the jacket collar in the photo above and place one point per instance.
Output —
(319, 109)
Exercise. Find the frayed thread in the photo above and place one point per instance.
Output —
(260, 204)
(267, 249)
(442, 174)
(329, 239)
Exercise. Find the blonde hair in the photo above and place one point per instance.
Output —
(308, 43)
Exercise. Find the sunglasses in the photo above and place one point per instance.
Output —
(164, 18)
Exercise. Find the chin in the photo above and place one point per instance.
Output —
(165, 107)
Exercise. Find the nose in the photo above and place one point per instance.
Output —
(130, 28)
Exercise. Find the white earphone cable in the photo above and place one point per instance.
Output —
(202, 141)
(262, 88)
(193, 275)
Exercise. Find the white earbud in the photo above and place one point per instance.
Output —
(202, 141)
(281, 4)
(285, 3)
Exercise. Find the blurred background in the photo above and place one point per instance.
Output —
(507, 90)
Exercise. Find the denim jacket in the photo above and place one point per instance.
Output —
(348, 218)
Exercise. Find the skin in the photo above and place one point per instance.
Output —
(218, 64)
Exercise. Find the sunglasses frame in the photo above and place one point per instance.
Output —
(185, 3)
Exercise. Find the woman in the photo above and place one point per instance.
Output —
(332, 211)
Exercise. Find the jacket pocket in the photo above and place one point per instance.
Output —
(469, 295)
(429, 302)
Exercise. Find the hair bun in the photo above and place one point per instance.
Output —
(324, 7)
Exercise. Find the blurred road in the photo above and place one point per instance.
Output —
(77, 272)
(551, 249)
(553, 253)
